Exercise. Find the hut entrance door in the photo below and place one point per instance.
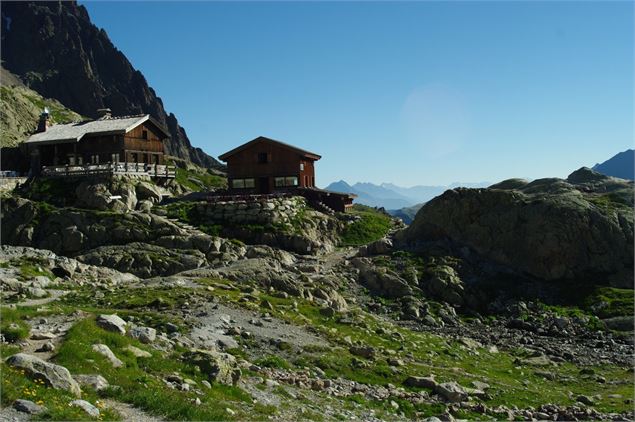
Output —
(263, 185)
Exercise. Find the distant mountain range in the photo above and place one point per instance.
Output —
(621, 165)
(393, 197)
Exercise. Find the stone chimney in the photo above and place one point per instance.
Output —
(104, 113)
(44, 122)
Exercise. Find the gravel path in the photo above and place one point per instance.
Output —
(130, 413)
(55, 294)
(216, 319)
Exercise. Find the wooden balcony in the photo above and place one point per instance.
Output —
(139, 169)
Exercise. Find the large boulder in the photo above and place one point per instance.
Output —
(143, 334)
(444, 283)
(550, 229)
(217, 366)
(93, 195)
(380, 280)
(55, 376)
(111, 323)
(148, 191)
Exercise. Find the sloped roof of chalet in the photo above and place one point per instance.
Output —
(259, 139)
(73, 132)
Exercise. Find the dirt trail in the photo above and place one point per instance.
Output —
(55, 294)
(130, 413)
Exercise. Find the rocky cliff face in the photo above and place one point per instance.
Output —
(57, 51)
(578, 228)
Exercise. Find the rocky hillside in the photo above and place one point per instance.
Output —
(58, 52)
(126, 300)
(551, 229)
(21, 108)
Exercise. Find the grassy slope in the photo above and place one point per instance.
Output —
(372, 226)
(20, 110)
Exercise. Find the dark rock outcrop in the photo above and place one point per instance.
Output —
(550, 229)
(57, 51)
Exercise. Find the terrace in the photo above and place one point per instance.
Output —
(139, 169)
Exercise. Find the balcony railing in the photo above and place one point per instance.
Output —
(141, 169)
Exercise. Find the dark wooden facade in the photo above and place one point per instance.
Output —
(265, 165)
(143, 144)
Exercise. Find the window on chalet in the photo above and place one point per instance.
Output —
(243, 183)
(291, 181)
(114, 158)
(301, 166)
(263, 158)
(144, 134)
(281, 182)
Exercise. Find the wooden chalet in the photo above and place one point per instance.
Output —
(127, 144)
(264, 166)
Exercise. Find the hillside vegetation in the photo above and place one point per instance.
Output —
(20, 109)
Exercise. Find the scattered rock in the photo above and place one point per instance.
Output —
(423, 382)
(143, 334)
(86, 407)
(46, 347)
(138, 352)
(27, 406)
(105, 351)
(451, 391)
(55, 376)
(43, 336)
(219, 367)
(112, 323)
(96, 382)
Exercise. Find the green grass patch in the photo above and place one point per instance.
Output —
(372, 226)
(140, 380)
(199, 179)
(16, 385)
(273, 361)
(606, 302)
(13, 325)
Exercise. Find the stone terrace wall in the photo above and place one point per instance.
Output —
(263, 211)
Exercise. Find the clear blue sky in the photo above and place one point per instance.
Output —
(410, 93)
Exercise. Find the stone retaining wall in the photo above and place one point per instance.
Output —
(264, 211)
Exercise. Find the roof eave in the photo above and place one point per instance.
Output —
(52, 141)
(303, 153)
